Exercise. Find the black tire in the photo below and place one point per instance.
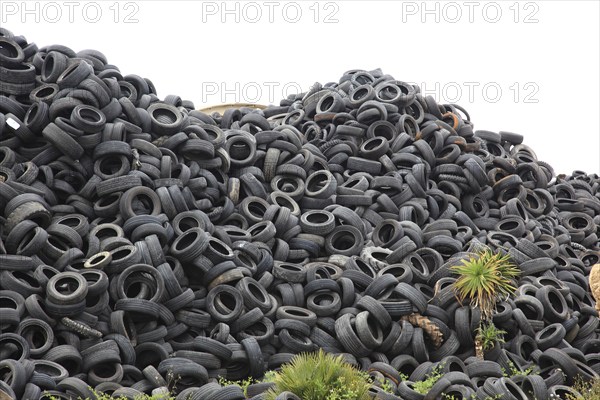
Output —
(346, 335)
(68, 296)
(19, 376)
(35, 328)
(557, 358)
(153, 207)
(555, 305)
(550, 336)
(484, 369)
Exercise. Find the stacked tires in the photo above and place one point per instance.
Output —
(144, 243)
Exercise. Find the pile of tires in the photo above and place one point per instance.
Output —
(143, 242)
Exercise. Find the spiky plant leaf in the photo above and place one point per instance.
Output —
(483, 279)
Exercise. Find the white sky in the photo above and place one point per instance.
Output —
(534, 71)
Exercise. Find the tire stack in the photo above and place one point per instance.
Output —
(145, 244)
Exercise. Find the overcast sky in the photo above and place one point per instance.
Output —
(527, 67)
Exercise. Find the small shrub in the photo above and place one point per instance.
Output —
(426, 384)
(590, 390)
(472, 397)
(320, 376)
(105, 396)
(489, 335)
(514, 371)
(384, 384)
(243, 384)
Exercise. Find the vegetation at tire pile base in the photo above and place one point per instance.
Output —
(320, 376)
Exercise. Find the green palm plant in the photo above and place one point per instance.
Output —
(483, 279)
(320, 376)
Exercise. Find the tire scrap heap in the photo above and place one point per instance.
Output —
(141, 239)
